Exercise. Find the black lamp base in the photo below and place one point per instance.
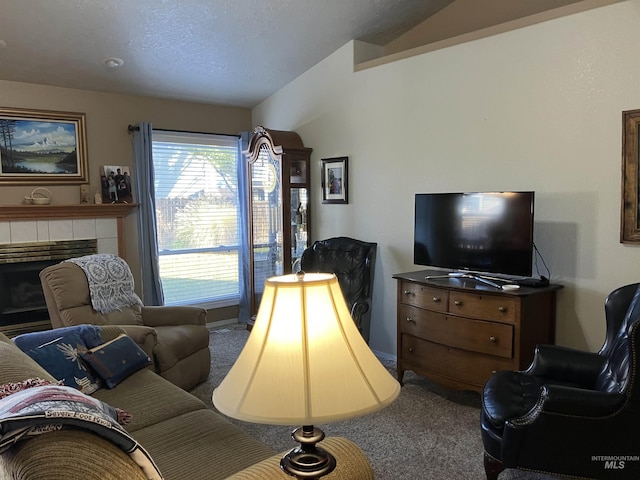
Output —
(308, 461)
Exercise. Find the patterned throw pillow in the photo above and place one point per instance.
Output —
(116, 360)
(61, 359)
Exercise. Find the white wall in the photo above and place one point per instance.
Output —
(108, 141)
(534, 109)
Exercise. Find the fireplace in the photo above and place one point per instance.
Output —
(22, 305)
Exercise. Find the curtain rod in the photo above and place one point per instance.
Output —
(136, 128)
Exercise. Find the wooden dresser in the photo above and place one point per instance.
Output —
(457, 331)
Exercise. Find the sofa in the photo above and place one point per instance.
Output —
(186, 439)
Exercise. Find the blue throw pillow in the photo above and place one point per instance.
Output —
(90, 335)
(61, 358)
(116, 360)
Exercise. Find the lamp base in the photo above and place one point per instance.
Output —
(308, 461)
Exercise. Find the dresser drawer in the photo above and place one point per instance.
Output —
(424, 297)
(490, 307)
(466, 334)
(463, 366)
(418, 322)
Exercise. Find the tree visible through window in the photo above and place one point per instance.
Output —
(196, 189)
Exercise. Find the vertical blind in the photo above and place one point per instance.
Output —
(197, 215)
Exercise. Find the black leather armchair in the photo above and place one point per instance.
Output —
(571, 412)
(353, 262)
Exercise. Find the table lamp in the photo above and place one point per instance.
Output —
(304, 363)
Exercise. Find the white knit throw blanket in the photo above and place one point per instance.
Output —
(110, 282)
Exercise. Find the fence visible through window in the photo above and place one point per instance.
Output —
(197, 217)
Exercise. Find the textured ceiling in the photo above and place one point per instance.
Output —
(232, 52)
(228, 52)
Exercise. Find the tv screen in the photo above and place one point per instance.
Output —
(479, 232)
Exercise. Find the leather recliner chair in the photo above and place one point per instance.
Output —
(353, 262)
(571, 412)
(175, 337)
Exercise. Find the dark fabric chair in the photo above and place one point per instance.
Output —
(353, 262)
(571, 412)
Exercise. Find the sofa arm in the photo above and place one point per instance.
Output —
(68, 454)
(351, 464)
(170, 316)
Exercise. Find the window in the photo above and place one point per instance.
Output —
(197, 215)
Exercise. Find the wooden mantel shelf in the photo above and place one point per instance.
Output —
(105, 210)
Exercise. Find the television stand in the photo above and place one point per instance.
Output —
(457, 331)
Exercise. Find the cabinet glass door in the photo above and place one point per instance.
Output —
(299, 231)
(267, 221)
(278, 201)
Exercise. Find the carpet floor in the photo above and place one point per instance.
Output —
(428, 433)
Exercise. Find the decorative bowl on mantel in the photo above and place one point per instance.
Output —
(39, 196)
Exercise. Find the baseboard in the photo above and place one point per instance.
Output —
(221, 323)
(385, 356)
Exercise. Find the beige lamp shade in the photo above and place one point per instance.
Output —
(305, 361)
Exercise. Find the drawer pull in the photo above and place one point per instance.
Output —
(457, 303)
(410, 349)
(436, 299)
(410, 320)
(408, 293)
(502, 309)
(493, 339)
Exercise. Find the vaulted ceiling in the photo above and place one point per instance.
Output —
(229, 52)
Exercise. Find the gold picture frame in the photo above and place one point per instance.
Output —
(630, 214)
(42, 147)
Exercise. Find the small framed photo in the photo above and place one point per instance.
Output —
(115, 182)
(39, 147)
(335, 180)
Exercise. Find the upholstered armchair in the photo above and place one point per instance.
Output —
(353, 262)
(571, 412)
(175, 337)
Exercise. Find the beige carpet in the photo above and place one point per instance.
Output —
(428, 433)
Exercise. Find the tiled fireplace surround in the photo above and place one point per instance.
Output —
(104, 230)
(34, 224)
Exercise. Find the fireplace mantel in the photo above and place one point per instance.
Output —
(24, 212)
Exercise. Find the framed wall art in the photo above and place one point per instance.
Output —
(630, 214)
(42, 147)
(115, 184)
(335, 180)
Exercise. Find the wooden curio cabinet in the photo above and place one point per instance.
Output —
(278, 170)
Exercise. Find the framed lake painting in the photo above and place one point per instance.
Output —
(42, 147)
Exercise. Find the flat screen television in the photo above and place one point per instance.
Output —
(479, 232)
